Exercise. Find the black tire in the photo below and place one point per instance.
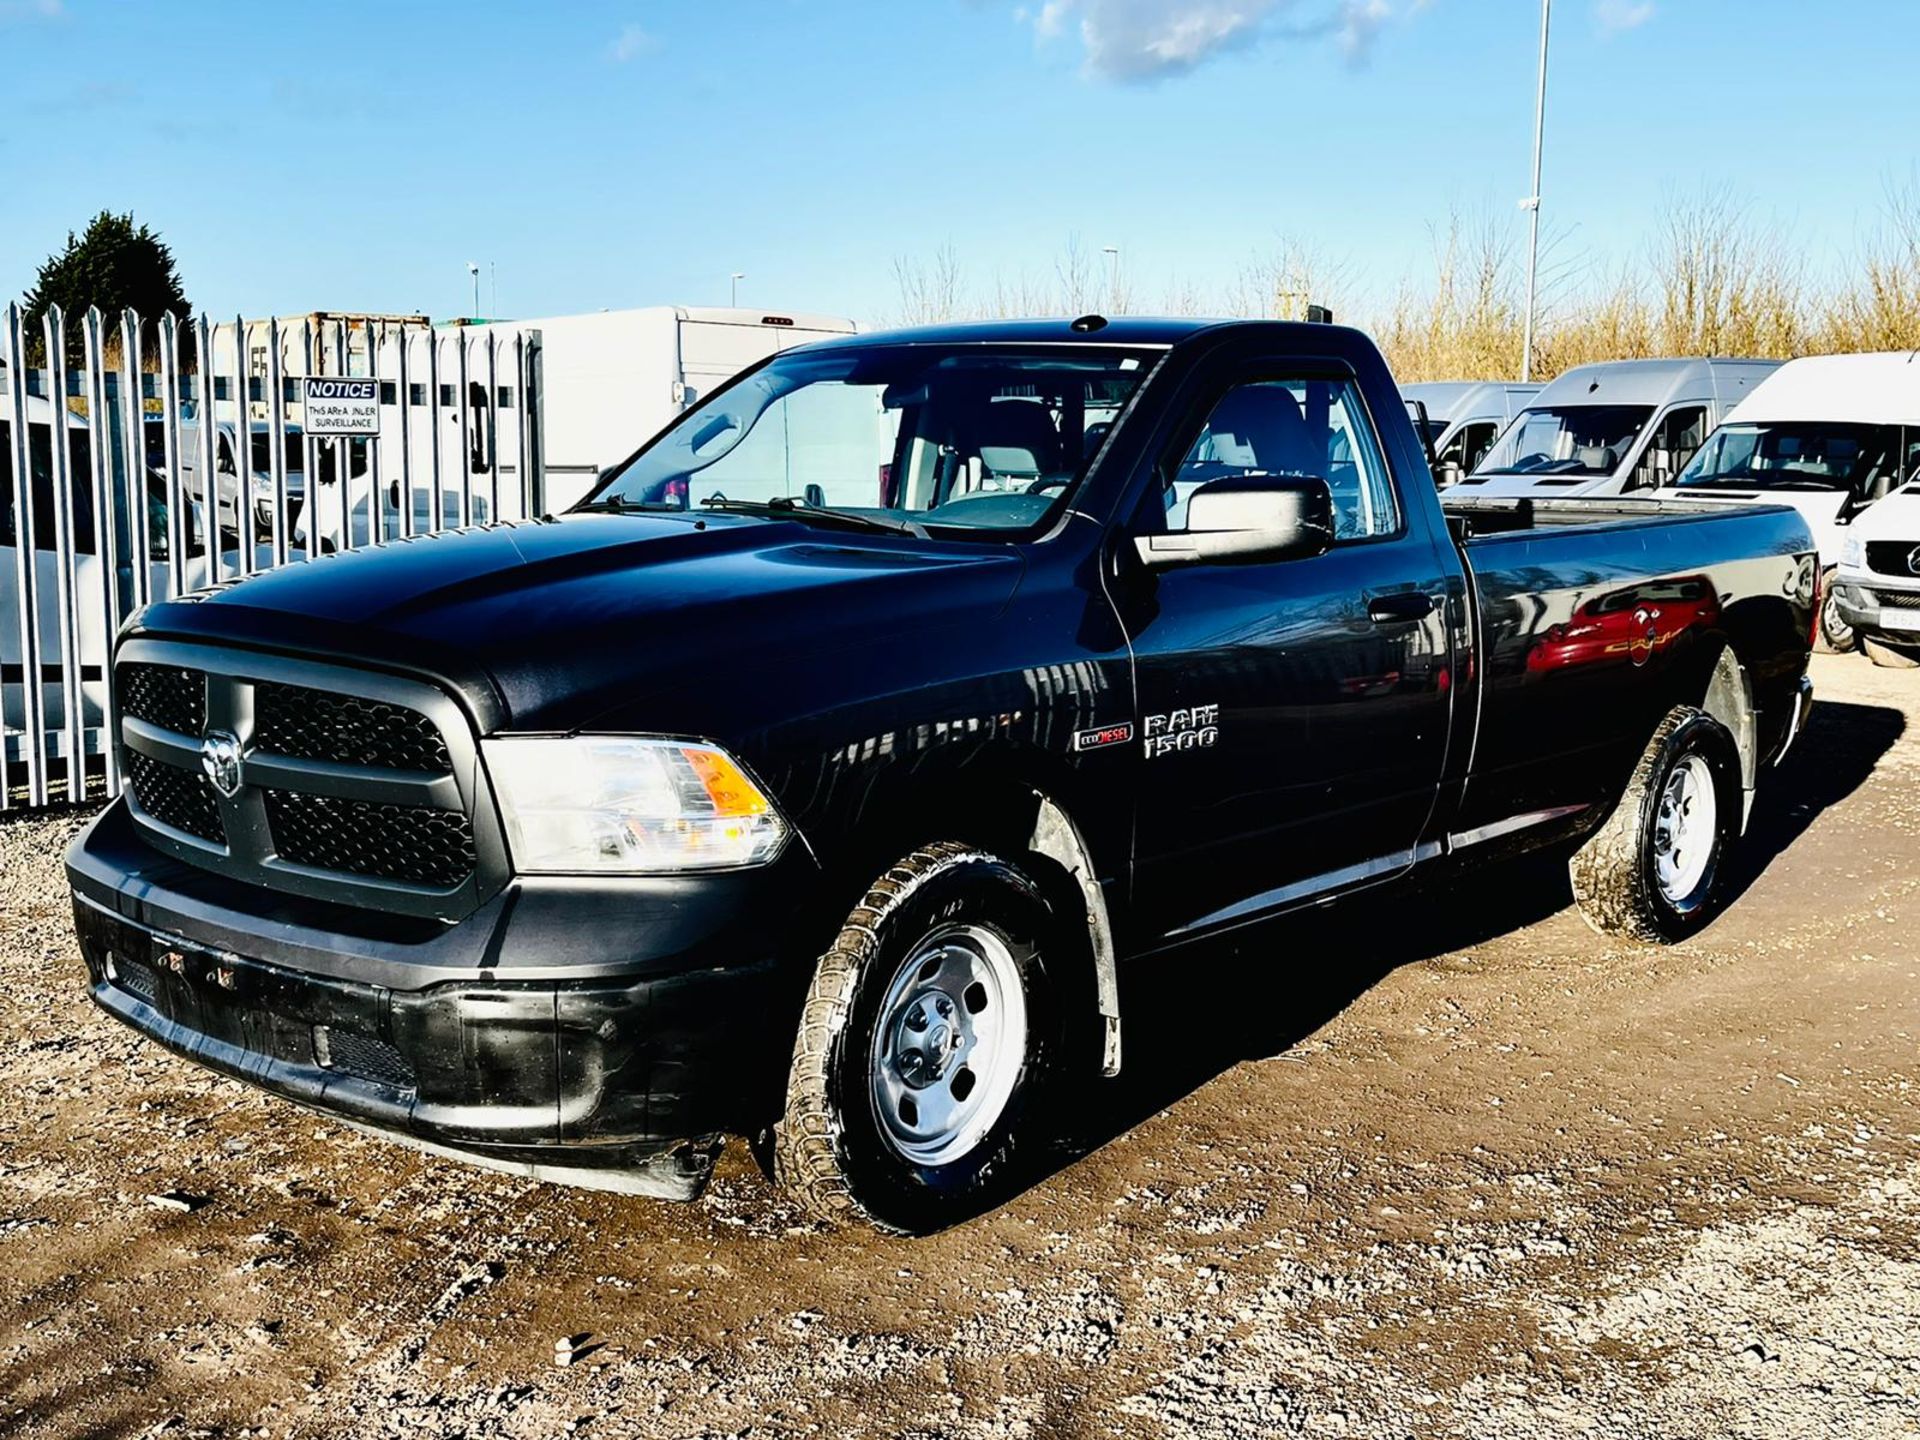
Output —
(830, 1149)
(1890, 657)
(1836, 636)
(1615, 874)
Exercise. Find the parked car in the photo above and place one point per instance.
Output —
(1877, 586)
(1614, 428)
(828, 816)
(1463, 418)
(1829, 435)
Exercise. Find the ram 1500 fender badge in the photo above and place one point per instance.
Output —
(1197, 727)
(1102, 736)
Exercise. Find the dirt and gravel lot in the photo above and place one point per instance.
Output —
(1443, 1165)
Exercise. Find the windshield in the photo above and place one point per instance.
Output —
(1799, 455)
(1567, 440)
(984, 438)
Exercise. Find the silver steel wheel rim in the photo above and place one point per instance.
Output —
(1685, 829)
(948, 1046)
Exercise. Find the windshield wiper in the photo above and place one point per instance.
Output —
(620, 505)
(793, 507)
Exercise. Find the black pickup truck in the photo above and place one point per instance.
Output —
(816, 778)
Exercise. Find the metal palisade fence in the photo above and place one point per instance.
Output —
(143, 460)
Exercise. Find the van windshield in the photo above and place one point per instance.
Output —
(1801, 455)
(1567, 440)
(977, 438)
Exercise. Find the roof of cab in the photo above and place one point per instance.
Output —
(1122, 330)
(1881, 388)
(1653, 382)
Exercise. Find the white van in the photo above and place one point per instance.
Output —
(1876, 588)
(1460, 419)
(611, 380)
(1614, 428)
(1829, 435)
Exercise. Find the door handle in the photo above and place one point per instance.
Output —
(1400, 608)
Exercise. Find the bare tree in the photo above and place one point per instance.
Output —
(928, 291)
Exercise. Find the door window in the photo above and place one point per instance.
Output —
(1469, 446)
(1292, 428)
(1679, 432)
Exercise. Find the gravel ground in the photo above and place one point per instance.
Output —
(1440, 1165)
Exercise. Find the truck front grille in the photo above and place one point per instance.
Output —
(390, 842)
(1893, 557)
(165, 695)
(346, 730)
(347, 786)
(181, 798)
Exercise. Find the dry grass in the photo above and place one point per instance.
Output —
(1714, 280)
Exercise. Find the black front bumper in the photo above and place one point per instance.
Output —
(600, 1032)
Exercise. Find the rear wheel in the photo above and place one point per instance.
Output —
(928, 1033)
(1893, 657)
(1654, 870)
(1836, 635)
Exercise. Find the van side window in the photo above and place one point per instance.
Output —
(1680, 432)
(1292, 428)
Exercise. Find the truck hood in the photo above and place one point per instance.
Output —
(557, 624)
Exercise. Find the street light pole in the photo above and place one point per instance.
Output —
(733, 291)
(473, 273)
(1532, 202)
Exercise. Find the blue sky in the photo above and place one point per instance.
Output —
(354, 156)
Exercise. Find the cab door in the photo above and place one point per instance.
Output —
(1293, 714)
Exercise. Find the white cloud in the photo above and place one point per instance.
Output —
(32, 9)
(631, 43)
(1147, 40)
(1613, 16)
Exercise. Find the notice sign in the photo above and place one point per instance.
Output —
(341, 407)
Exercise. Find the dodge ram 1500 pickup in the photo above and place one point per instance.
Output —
(815, 779)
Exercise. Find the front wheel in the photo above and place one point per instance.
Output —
(927, 1035)
(1836, 635)
(1655, 870)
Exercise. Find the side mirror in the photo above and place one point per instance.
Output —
(1448, 474)
(1247, 520)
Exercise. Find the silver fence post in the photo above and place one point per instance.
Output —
(209, 451)
(465, 411)
(106, 535)
(404, 389)
(376, 501)
(309, 447)
(437, 512)
(276, 444)
(179, 507)
(33, 721)
(342, 444)
(134, 418)
(493, 424)
(532, 455)
(66, 576)
(243, 502)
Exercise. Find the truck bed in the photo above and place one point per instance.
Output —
(1571, 597)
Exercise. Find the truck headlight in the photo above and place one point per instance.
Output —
(630, 805)
(1853, 554)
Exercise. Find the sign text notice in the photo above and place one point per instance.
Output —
(341, 407)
